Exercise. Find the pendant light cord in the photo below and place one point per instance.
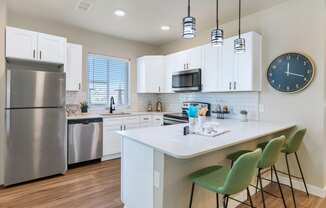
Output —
(217, 14)
(188, 8)
(239, 18)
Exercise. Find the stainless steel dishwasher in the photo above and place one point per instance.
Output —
(85, 140)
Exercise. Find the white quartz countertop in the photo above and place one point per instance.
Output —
(106, 115)
(171, 141)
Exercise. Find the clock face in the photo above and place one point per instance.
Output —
(291, 72)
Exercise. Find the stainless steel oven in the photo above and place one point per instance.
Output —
(187, 81)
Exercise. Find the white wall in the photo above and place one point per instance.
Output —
(3, 20)
(296, 25)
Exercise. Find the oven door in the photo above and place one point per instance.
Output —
(189, 80)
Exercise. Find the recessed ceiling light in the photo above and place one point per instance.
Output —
(119, 13)
(165, 28)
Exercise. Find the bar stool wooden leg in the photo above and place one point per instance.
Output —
(304, 181)
(290, 178)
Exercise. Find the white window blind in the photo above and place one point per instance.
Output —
(108, 77)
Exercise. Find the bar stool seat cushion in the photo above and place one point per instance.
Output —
(211, 178)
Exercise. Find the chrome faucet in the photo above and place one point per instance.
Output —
(112, 105)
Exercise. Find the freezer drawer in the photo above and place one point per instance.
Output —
(33, 89)
(36, 144)
(85, 139)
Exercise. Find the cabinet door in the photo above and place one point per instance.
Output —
(249, 65)
(195, 58)
(229, 64)
(157, 120)
(51, 48)
(150, 74)
(170, 67)
(131, 123)
(74, 67)
(181, 60)
(145, 121)
(21, 44)
(212, 70)
(112, 140)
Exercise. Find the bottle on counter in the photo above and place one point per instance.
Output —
(159, 106)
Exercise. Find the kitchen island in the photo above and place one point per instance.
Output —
(156, 162)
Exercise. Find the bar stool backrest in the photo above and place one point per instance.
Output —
(242, 172)
(294, 142)
(271, 153)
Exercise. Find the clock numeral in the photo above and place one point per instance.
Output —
(270, 74)
(274, 67)
(288, 88)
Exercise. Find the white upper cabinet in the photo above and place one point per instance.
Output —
(242, 72)
(21, 44)
(74, 67)
(212, 70)
(151, 74)
(195, 58)
(29, 45)
(52, 48)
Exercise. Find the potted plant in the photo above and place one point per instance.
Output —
(84, 107)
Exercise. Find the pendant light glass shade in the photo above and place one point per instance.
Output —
(217, 35)
(240, 43)
(189, 25)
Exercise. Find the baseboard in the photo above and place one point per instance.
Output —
(298, 185)
(111, 157)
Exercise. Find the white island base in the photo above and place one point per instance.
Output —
(156, 162)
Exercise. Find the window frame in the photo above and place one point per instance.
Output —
(129, 81)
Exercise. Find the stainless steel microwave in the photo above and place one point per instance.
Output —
(187, 81)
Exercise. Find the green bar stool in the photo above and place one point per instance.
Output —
(292, 146)
(225, 181)
(271, 154)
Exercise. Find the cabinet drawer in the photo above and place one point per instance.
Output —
(113, 121)
(147, 118)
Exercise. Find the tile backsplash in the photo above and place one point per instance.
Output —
(236, 101)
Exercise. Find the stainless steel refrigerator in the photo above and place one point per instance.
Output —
(36, 144)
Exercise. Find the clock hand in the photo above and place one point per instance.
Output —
(299, 75)
(288, 69)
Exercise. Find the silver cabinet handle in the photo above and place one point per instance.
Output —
(159, 89)
(120, 127)
(79, 86)
(230, 86)
(125, 128)
(235, 85)
(40, 55)
(34, 53)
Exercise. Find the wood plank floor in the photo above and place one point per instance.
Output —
(98, 186)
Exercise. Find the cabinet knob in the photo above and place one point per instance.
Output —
(235, 85)
(230, 86)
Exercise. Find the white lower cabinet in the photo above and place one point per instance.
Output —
(112, 140)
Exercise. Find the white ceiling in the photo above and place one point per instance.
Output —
(144, 17)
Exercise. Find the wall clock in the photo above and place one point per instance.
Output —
(291, 72)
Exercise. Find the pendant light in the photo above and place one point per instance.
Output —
(217, 35)
(189, 25)
(240, 43)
